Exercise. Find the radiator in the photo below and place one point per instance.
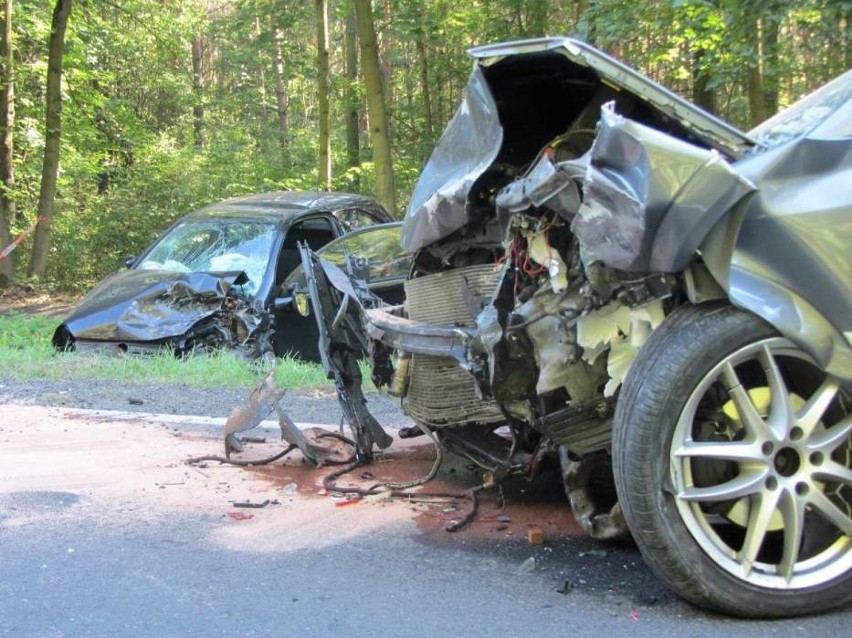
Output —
(440, 392)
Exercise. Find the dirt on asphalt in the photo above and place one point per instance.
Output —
(131, 470)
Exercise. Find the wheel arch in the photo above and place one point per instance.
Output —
(751, 287)
(795, 318)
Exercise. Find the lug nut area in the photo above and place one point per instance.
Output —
(787, 462)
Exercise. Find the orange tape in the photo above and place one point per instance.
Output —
(20, 238)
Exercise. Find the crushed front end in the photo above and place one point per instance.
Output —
(141, 312)
(550, 236)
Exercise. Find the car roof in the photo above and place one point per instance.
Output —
(287, 205)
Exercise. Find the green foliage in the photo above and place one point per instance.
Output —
(23, 332)
(130, 164)
(27, 353)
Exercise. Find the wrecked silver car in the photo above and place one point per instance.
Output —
(607, 277)
(215, 279)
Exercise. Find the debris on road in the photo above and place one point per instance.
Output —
(535, 536)
(527, 566)
(251, 505)
(240, 516)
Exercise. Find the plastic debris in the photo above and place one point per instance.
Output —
(535, 536)
(347, 501)
(240, 516)
(527, 566)
(249, 504)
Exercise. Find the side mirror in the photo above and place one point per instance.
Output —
(129, 261)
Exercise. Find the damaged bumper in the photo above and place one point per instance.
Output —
(146, 312)
(392, 329)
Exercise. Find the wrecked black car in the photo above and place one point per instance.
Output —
(608, 278)
(214, 280)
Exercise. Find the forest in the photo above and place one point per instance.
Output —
(118, 116)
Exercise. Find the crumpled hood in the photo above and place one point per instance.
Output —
(148, 305)
(505, 118)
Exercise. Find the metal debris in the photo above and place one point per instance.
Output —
(252, 505)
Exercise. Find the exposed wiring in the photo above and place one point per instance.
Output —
(394, 490)
(240, 462)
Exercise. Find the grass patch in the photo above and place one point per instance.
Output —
(26, 353)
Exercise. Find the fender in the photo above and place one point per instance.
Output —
(649, 198)
(749, 289)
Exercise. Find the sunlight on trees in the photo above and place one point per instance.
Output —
(169, 105)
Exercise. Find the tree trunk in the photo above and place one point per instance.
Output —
(282, 97)
(53, 129)
(756, 106)
(264, 115)
(846, 29)
(538, 12)
(376, 105)
(353, 138)
(425, 85)
(323, 96)
(702, 94)
(7, 122)
(770, 62)
(198, 90)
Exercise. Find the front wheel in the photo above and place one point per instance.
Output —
(732, 453)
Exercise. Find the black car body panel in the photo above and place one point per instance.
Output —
(148, 305)
(218, 287)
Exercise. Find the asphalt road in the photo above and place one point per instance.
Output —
(105, 531)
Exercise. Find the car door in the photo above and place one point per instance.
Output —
(379, 249)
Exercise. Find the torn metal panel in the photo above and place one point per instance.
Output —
(601, 520)
(649, 199)
(555, 184)
(143, 310)
(710, 129)
(340, 341)
(469, 144)
(145, 305)
(263, 400)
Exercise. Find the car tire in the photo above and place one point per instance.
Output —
(732, 454)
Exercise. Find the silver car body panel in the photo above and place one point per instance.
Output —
(472, 141)
(725, 136)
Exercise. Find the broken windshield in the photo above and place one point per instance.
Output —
(809, 113)
(215, 246)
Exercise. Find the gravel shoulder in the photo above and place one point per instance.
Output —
(313, 406)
